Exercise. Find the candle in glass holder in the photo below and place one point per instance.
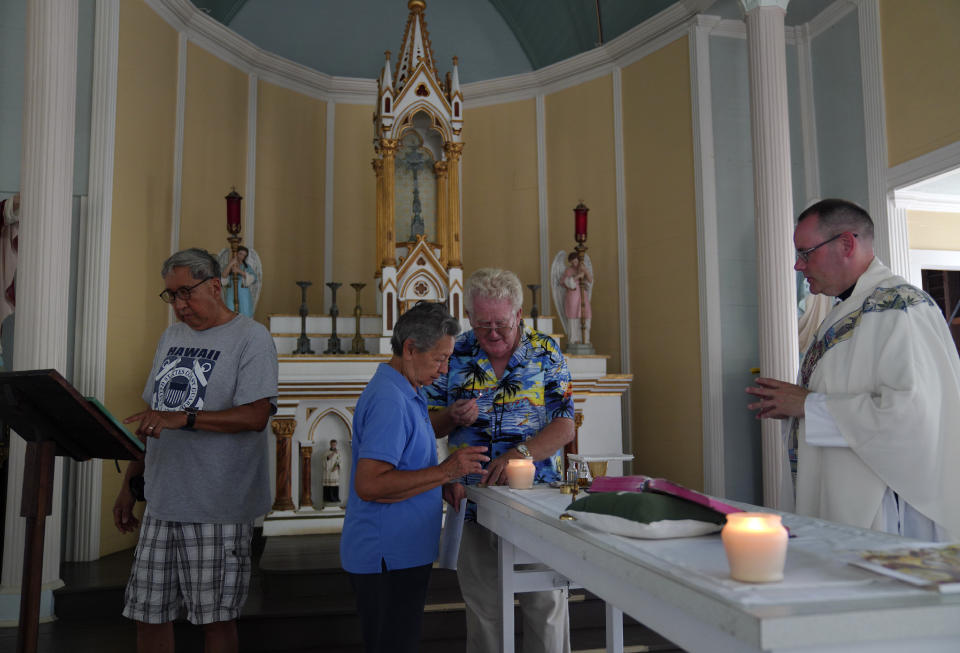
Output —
(520, 473)
(233, 211)
(580, 222)
(756, 546)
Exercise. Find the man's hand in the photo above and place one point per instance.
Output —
(463, 461)
(778, 399)
(152, 422)
(464, 412)
(497, 469)
(123, 517)
(453, 493)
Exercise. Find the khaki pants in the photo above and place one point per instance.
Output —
(546, 624)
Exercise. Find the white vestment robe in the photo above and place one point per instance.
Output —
(888, 368)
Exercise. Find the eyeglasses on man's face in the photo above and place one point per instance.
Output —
(502, 327)
(804, 254)
(183, 292)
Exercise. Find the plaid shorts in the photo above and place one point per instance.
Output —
(204, 568)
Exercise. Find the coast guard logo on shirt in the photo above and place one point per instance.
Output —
(181, 382)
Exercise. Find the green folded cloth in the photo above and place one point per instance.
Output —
(645, 515)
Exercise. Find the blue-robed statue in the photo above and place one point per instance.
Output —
(249, 272)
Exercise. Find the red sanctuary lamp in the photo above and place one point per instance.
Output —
(580, 234)
(233, 228)
(580, 222)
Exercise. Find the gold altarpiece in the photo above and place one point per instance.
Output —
(417, 141)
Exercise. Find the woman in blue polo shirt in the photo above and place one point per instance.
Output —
(392, 526)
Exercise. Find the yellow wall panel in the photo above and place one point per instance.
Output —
(920, 54)
(214, 148)
(581, 167)
(932, 230)
(662, 255)
(500, 215)
(140, 229)
(354, 209)
(291, 150)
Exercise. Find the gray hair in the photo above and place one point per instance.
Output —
(836, 216)
(202, 263)
(493, 283)
(424, 324)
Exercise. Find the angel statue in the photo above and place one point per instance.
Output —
(572, 288)
(249, 271)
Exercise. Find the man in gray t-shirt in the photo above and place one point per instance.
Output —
(211, 391)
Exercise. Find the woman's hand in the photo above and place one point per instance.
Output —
(467, 460)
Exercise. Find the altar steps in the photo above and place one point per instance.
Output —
(300, 601)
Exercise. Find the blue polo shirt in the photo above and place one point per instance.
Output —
(391, 424)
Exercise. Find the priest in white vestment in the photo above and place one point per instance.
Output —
(876, 412)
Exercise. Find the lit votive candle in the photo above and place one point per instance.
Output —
(520, 473)
(756, 546)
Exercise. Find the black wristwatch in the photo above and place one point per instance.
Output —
(191, 418)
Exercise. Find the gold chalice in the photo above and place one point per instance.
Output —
(597, 468)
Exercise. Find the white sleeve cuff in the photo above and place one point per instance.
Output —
(820, 429)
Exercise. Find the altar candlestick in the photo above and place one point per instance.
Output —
(756, 546)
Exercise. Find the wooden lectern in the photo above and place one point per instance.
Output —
(55, 420)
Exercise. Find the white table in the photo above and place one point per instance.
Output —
(682, 589)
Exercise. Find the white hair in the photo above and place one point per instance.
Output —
(493, 283)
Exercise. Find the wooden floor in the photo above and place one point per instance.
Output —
(300, 601)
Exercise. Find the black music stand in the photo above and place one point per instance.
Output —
(55, 420)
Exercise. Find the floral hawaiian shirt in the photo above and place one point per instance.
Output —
(534, 390)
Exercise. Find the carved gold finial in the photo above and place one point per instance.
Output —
(416, 5)
(456, 60)
(386, 54)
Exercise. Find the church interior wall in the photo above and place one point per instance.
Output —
(13, 19)
(500, 195)
(581, 166)
(662, 266)
(290, 196)
(737, 262)
(933, 230)
(354, 210)
(84, 106)
(12, 60)
(214, 147)
(921, 95)
(838, 98)
(141, 224)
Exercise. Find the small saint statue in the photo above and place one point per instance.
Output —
(331, 475)
(572, 288)
(245, 266)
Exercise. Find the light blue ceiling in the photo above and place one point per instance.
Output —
(492, 38)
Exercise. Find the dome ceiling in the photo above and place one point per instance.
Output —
(492, 38)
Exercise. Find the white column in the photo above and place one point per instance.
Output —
(542, 216)
(711, 364)
(328, 216)
(43, 267)
(93, 281)
(899, 254)
(773, 206)
(875, 131)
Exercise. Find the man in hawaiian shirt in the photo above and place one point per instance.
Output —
(507, 388)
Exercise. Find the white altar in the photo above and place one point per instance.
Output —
(682, 588)
(317, 396)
